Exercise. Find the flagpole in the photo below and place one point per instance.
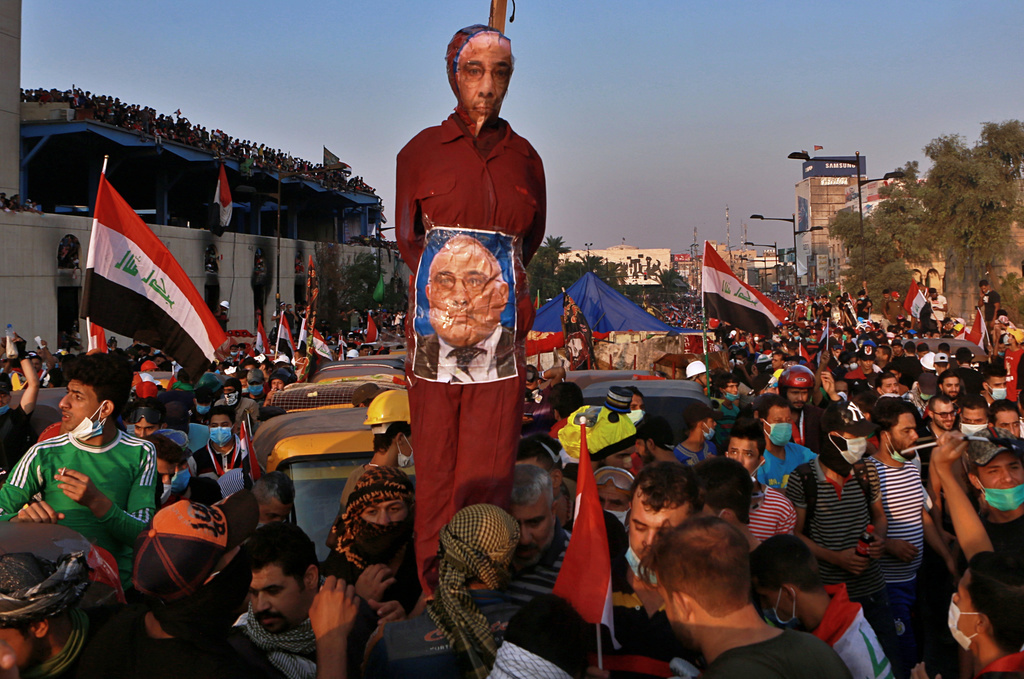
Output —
(600, 654)
(103, 171)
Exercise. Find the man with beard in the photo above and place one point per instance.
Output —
(907, 520)
(654, 441)
(703, 570)
(837, 498)
(375, 542)
(542, 540)
(797, 385)
(189, 567)
(276, 630)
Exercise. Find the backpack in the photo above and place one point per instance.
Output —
(809, 481)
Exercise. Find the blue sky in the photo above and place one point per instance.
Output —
(650, 116)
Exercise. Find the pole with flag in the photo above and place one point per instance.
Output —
(262, 345)
(133, 286)
(587, 554)
(915, 301)
(97, 337)
(309, 325)
(371, 329)
(732, 301)
(222, 197)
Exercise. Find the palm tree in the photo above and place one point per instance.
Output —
(555, 244)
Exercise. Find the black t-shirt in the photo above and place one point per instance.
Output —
(123, 649)
(971, 379)
(863, 307)
(790, 655)
(15, 437)
(1006, 537)
(990, 299)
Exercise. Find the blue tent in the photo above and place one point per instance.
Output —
(605, 310)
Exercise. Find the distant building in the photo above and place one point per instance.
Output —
(641, 266)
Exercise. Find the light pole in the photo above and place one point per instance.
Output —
(277, 197)
(588, 245)
(898, 174)
(791, 220)
(775, 247)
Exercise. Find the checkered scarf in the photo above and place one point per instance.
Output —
(285, 651)
(364, 543)
(476, 546)
(514, 662)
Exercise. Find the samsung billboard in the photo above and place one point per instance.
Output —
(835, 166)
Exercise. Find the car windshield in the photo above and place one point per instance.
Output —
(318, 486)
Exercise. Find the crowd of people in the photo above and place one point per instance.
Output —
(15, 204)
(176, 127)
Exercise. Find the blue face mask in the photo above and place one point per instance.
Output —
(780, 433)
(1004, 499)
(220, 435)
(179, 482)
(634, 565)
(731, 397)
(202, 410)
(4, 409)
(772, 615)
(255, 390)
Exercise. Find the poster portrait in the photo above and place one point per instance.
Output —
(464, 310)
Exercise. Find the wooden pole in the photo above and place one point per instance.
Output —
(499, 9)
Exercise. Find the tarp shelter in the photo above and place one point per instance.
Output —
(605, 310)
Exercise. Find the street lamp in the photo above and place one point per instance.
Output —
(775, 248)
(277, 197)
(791, 220)
(803, 155)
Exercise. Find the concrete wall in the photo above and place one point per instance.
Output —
(29, 277)
(10, 95)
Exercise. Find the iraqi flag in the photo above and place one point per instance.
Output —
(320, 347)
(135, 287)
(915, 302)
(978, 330)
(585, 580)
(729, 299)
(249, 461)
(222, 197)
(262, 345)
(284, 332)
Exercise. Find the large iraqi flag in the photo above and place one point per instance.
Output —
(135, 287)
(729, 299)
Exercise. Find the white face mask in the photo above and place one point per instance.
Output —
(87, 429)
(403, 459)
(621, 516)
(166, 494)
(635, 416)
(854, 448)
(972, 429)
(954, 620)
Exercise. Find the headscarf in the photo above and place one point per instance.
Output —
(476, 545)
(33, 589)
(285, 650)
(514, 661)
(363, 543)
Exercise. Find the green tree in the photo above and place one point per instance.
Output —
(348, 286)
(543, 268)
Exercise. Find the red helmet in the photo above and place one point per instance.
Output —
(797, 377)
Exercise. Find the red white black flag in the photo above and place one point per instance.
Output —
(135, 287)
(222, 197)
(732, 301)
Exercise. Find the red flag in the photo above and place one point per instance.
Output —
(585, 580)
(803, 352)
(915, 300)
(97, 338)
(222, 196)
(977, 333)
(262, 343)
(818, 148)
(371, 328)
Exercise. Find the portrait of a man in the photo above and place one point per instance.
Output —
(465, 315)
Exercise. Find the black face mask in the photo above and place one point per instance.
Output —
(379, 543)
(205, 617)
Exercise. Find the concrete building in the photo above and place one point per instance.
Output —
(641, 266)
(53, 153)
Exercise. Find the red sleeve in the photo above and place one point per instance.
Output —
(408, 229)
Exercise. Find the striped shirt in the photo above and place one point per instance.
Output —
(840, 516)
(903, 501)
(540, 578)
(124, 470)
(775, 515)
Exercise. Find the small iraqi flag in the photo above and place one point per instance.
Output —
(222, 197)
(134, 287)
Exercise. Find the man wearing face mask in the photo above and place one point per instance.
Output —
(699, 442)
(202, 403)
(664, 495)
(771, 513)
(973, 415)
(243, 406)
(224, 451)
(174, 480)
(785, 576)
(837, 496)
(781, 455)
(994, 385)
(908, 523)
(257, 390)
(92, 478)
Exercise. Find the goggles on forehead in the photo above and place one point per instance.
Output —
(151, 415)
(619, 478)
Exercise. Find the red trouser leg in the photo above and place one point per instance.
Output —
(465, 437)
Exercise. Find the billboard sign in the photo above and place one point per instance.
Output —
(834, 166)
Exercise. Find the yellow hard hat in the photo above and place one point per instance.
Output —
(389, 406)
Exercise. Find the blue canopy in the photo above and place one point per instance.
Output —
(605, 310)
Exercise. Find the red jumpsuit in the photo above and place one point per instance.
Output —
(466, 435)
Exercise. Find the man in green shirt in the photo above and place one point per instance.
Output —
(92, 478)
